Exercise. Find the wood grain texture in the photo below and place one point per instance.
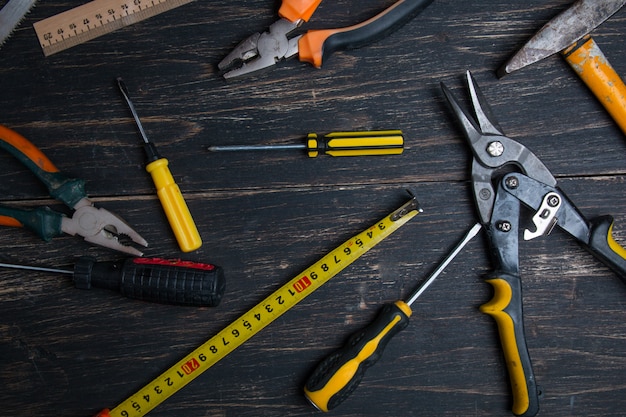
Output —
(265, 217)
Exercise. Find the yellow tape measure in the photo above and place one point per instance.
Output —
(96, 18)
(256, 319)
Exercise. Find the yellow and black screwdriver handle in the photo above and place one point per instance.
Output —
(337, 376)
(383, 142)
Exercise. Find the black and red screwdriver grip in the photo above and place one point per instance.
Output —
(154, 280)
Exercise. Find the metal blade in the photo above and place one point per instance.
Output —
(11, 15)
(562, 31)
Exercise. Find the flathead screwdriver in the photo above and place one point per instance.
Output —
(148, 279)
(378, 142)
(337, 376)
(168, 191)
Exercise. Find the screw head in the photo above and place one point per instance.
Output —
(554, 201)
(512, 182)
(504, 226)
(495, 148)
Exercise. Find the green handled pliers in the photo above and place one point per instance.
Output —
(506, 176)
(95, 225)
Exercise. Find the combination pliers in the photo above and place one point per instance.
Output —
(506, 176)
(263, 50)
(95, 225)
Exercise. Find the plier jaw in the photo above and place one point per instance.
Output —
(101, 227)
(262, 50)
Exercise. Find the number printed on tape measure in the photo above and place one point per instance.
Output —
(94, 19)
(260, 316)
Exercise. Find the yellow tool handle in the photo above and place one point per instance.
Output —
(605, 247)
(586, 58)
(506, 308)
(174, 206)
(337, 376)
(382, 142)
(260, 316)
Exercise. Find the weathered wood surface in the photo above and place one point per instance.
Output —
(265, 217)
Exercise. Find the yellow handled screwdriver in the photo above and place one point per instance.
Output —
(378, 142)
(168, 191)
(337, 376)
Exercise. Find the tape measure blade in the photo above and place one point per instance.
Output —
(94, 19)
(261, 315)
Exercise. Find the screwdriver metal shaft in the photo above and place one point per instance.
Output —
(171, 198)
(337, 376)
(378, 142)
(459, 246)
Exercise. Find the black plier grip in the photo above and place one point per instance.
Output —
(262, 50)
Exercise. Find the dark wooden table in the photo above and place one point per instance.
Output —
(264, 217)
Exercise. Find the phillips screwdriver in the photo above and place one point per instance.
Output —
(381, 142)
(149, 279)
(337, 376)
(168, 191)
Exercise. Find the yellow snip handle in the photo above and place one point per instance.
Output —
(174, 206)
(506, 308)
(586, 58)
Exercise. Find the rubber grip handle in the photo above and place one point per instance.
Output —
(42, 221)
(604, 247)
(384, 142)
(337, 376)
(68, 190)
(317, 45)
(293, 10)
(154, 280)
(506, 308)
(588, 61)
(174, 205)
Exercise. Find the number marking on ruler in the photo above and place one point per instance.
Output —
(96, 18)
(261, 315)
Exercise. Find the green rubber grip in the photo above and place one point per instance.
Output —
(68, 190)
(42, 220)
(506, 308)
(337, 376)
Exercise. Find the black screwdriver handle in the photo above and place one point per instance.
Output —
(154, 280)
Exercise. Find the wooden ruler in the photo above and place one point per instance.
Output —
(94, 19)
